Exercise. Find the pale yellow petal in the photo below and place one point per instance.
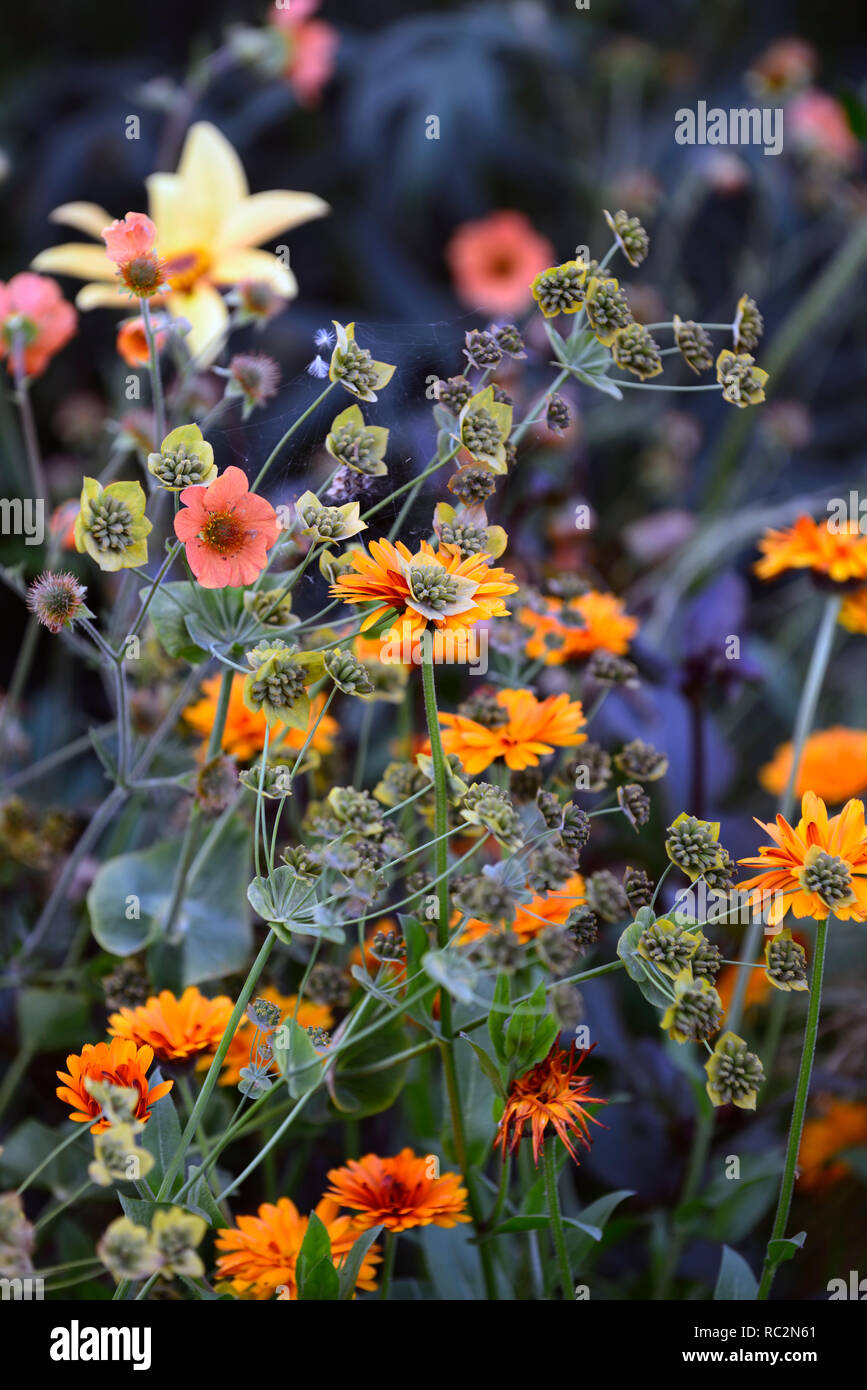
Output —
(172, 215)
(77, 258)
(208, 317)
(213, 178)
(261, 216)
(245, 263)
(89, 218)
(105, 297)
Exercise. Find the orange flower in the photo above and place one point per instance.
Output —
(62, 522)
(542, 911)
(399, 1193)
(814, 868)
(577, 626)
(549, 1094)
(853, 614)
(244, 734)
(121, 1063)
(176, 1029)
(430, 586)
(311, 45)
(833, 764)
(261, 1252)
(309, 1015)
(129, 242)
(132, 343)
(35, 322)
(534, 728)
(841, 555)
(227, 530)
(840, 1125)
(494, 260)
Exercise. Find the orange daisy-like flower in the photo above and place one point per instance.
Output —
(399, 1192)
(176, 1029)
(244, 734)
(815, 868)
(260, 1254)
(840, 1125)
(119, 1062)
(853, 613)
(551, 1093)
(533, 729)
(840, 555)
(833, 764)
(435, 587)
(35, 322)
(542, 911)
(568, 628)
(308, 1015)
(227, 530)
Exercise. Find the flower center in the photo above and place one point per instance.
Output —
(432, 585)
(110, 524)
(184, 269)
(224, 533)
(830, 878)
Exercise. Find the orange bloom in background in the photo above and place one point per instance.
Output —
(533, 729)
(309, 1015)
(577, 626)
(119, 1062)
(853, 613)
(551, 1093)
(176, 1029)
(260, 1253)
(833, 764)
(227, 530)
(759, 987)
(840, 1125)
(785, 65)
(815, 868)
(244, 734)
(493, 261)
(429, 587)
(399, 1193)
(311, 46)
(544, 910)
(132, 343)
(841, 555)
(62, 523)
(35, 322)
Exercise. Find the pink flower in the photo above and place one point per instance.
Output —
(311, 46)
(129, 237)
(493, 261)
(35, 321)
(818, 125)
(226, 530)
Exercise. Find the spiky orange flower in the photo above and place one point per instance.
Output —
(815, 868)
(308, 1015)
(260, 1253)
(244, 734)
(839, 1125)
(542, 911)
(399, 1192)
(176, 1029)
(121, 1063)
(567, 628)
(840, 555)
(533, 729)
(430, 587)
(833, 764)
(551, 1093)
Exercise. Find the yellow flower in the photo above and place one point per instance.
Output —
(355, 368)
(208, 226)
(111, 525)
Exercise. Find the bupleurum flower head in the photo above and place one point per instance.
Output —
(558, 416)
(748, 326)
(509, 340)
(634, 803)
(56, 600)
(185, 459)
(347, 672)
(607, 308)
(641, 761)
(696, 345)
(560, 288)
(695, 1012)
(277, 684)
(629, 235)
(692, 845)
(786, 962)
(734, 1074)
(742, 381)
(111, 525)
(357, 445)
(491, 808)
(355, 368)
(668, 946)
(482, 349)
(128, 1251)
(638, 888)
(328, 523)
(473, 483)
(485, 425)
(635, 351)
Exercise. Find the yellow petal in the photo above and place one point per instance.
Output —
(231, 267)
(77, 258)
(208, 317)
(171, 214)
(213, 178)
(104, 297)
(89, 218)
(263, 215)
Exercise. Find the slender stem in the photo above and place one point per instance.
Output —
(550, 1166)
(799, 1109)
(388, 1263)
(278, 447)
(538, 405)
(21, 671)
(154, 366)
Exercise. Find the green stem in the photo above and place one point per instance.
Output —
(799, 1109)
(388, 1263)
(156, 382)
(553, 1199)
(278, 447)
(23, 663)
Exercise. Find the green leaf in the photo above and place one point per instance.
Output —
(488, 1066)
(780, 1251)
(499, 1013)
(168, 609)
(736, 1280)
(350, 1266)
(540, 1221)
(284, 899)
(377, 1090)
(51, 1020)
(200, 1198)
(296, 1058)
(580, 1244)
(454, 972)
(212, 930)
(637, 967)
(317, 1278)
(162, 1133)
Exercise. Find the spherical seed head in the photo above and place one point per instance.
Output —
(255, 377)
(482, 349)
(634, 803)
(691, 846)
(829, 877)
(635, 350)
(56, 599)
(473, 484)
(454, 393)
(786, 962)
(696, 346)
(605, 895)
(638, 888)
(143, 276)
(558, 416)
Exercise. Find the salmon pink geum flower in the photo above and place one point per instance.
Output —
(35, 322)
(227, 530)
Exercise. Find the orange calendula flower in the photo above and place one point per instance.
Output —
(815, 868)
(853, 613)
(244, 734)
(533, 729)
(531, 918)
(259, 1255)
(840, 554)
(430, 587)
(399, 1193)
(551, 1093)
(833, 764)
(176, 1029)
(227, 530)
(574, 627)
(35, 322)
(840, 1125)
(308, 1015)
(121, 1063)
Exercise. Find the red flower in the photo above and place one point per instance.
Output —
(226, 530)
